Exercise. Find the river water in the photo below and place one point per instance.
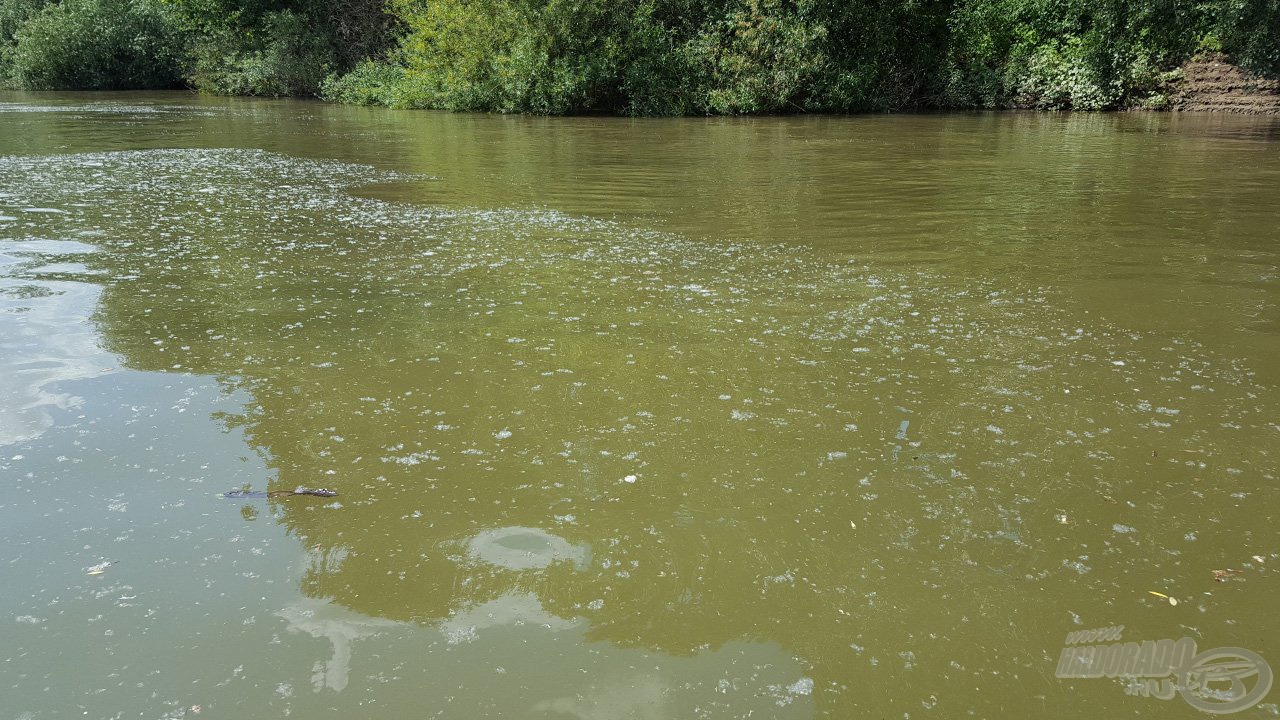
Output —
(701, 418)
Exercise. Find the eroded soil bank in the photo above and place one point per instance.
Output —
(1210, 82)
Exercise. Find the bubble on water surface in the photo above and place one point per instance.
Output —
(523, 548)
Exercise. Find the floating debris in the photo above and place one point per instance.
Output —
(100, 567)
(247, 493)
(1172, 600)
(1225, 575)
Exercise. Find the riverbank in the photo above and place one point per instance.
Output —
(651, 57)
(1212, 83)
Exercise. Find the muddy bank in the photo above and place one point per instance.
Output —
(1211, 83)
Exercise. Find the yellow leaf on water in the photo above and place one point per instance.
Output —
(1158, 594)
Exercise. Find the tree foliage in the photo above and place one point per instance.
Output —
(768, 56)
(96, 45)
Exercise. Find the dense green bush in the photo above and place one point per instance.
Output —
(759, 58)
(279, 47)
(288, 56)
(96, 44)
(1083, 54)
(372, 82)
(659, 56)
(1250, 31)
(509, 55)
(13, 15)
(751, 56)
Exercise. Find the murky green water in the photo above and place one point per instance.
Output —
(802, 417)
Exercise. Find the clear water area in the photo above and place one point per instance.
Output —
(769, 418)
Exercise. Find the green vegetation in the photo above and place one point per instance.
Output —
(89, 44)
(278, 47)
(644, 57)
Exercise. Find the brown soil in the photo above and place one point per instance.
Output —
(1211, 83)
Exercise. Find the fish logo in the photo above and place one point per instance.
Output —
(1218, 681)
(1214, 680)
